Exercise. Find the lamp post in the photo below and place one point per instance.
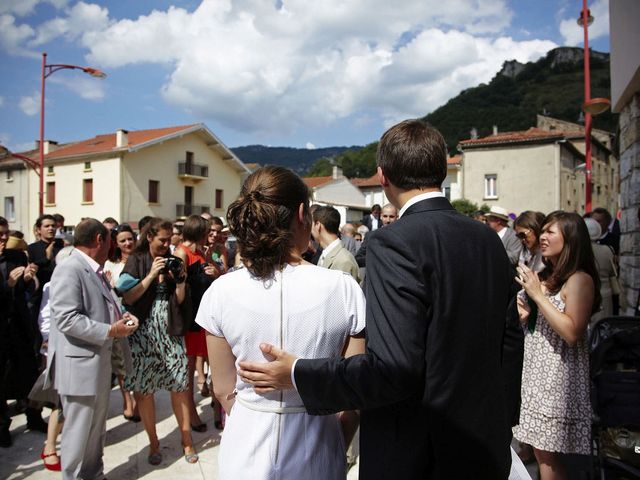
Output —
(49, 69)
(591, 106)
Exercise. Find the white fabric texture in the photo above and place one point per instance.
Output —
(320, 309)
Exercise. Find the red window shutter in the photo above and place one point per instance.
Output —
(87, 190)
(51, 193)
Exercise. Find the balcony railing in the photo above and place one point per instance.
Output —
(183, 210)
(193, 170)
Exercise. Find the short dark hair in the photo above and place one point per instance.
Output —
(58, 218)
(375, 206)
(111, 220)
(44, 217)
(86, 232)
(3, 222)
(216, 221)
(329, 217)
(195, 228)
(603, 211)
(143, 221)
(413, 154)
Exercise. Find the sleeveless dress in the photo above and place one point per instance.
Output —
(555, 415)
(310, 312)
(195, 339)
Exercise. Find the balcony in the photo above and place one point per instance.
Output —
(193, 170)
(183, 210)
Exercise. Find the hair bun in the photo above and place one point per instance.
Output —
(255, 196)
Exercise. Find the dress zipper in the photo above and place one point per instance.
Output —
(279, 416)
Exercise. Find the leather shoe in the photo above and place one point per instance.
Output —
(5, 438)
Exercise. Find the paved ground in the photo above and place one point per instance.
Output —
(127, 448)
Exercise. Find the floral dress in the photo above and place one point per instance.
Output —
(555, 415)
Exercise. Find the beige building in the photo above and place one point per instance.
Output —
(537, 169)
(14, 193)
(166, 172)
(338, 191)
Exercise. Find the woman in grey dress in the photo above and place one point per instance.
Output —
(555, 416)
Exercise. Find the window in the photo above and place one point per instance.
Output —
(218, 198)
(447, 192)
(154, 191)
(9, 209)
(9, 175)
(491, 186)
(51, 193)
(87, 190)
(87, 166)
(189, 158)
(50, 170)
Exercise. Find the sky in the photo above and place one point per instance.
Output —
(296, 73)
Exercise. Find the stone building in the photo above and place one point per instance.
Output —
(624, 17)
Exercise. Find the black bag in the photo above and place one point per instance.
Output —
(180, 315)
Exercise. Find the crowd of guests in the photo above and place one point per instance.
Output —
(564, 272)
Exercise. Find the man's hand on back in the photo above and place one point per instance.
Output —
(271, 376)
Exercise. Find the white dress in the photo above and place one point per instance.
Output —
(310, 313)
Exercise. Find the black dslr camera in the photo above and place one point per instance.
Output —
(173, 265)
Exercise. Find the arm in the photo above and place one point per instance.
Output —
(132, 295)
(578, 294)
(350, 419)
(513, 247)
(223, 370)
(361, 254)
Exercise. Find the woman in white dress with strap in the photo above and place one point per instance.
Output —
(280, 299)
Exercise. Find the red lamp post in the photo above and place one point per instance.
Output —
(591, 107)
(46, 71)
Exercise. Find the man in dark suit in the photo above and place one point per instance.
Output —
(431, 385)
(372, 221)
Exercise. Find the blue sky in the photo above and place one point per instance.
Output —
(282, 73)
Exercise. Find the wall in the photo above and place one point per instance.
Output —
(18, 188)
(624, 17)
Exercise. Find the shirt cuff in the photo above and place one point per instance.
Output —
(293, 377)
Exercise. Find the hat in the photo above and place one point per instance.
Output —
(15, 243)
(498, 212)
(595, 230)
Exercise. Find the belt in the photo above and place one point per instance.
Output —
(268, 409)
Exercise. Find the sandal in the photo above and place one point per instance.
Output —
(190, 457)
(54, 467)
(155, 458)
(199, 428)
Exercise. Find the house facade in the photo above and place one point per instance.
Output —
(538, 170)
(14, 193)
(166, 172)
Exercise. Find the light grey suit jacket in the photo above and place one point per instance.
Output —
(512, 245)
(80, 323)
(340, 259)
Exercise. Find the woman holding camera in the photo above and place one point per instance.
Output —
(153, 286)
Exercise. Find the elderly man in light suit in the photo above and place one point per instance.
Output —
(85, 318)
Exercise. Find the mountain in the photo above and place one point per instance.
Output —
(553, 86)
(299, 160)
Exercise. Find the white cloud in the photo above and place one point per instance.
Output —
(310, 146)
(573, 34)
(86, 87)
(12, 36)
(21, 8)
(30, 105)
(82, 17)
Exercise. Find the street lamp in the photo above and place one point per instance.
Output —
(46, 71)
(591, 106)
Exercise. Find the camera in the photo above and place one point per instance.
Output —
(173, 265)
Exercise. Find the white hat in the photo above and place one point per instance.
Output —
(595, 230)
(498, 212)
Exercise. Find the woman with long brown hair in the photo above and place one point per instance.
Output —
(279, 298)
(555, 416)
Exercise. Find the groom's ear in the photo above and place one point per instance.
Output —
(384, 181)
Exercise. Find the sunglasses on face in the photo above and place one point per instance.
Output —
(523, 235)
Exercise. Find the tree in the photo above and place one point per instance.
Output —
(464, 206)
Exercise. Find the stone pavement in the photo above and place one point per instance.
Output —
(126, 447)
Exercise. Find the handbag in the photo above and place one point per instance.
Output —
(180, 315)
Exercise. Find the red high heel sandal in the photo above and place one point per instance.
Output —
(54, 467)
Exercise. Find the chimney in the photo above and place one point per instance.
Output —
(495, 130)
(473, 133)
(122, 138)
(49, 146)
(336, 172)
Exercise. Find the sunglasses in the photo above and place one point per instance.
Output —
(523, 235)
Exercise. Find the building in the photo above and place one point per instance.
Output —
(372, 190)
(537, 169)
(452, 185)
(166, 172)
(14, 193)
(624, 17)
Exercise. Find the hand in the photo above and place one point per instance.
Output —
(108, 276)
(524, 310)
(121, 329)
(212, 270)
(14, 276)
(529, 281)
(157, 267)
(49, 250)
(268, 377)
(30, 272)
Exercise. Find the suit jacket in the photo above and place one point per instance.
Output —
(340, 259)
(349, 243)
(80, 323)
(512, 245)
(367, 221)
(431, 383)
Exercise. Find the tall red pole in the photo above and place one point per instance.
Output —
(41, 146)
(587, 115)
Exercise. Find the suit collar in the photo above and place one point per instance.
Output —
(430, 204)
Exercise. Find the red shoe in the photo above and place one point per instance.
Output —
(54, 467)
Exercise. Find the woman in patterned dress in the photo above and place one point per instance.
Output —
(159, 359)
(555, 416)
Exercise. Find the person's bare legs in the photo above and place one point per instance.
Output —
(202, 377)
(129, 407)
(53, 431)
(551, 466)
(180, 404)
(147, 408)
(193, 413)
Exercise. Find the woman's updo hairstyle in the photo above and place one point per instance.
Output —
(262, 215)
